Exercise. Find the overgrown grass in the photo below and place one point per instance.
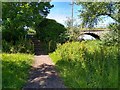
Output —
(15, 68)
(87, 64)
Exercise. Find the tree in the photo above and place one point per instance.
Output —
(50, 32)
(72, 30)
(49, 29)
(91, 11)
(112, 38)
(17, 15)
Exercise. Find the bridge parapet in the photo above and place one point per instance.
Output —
(98, 32)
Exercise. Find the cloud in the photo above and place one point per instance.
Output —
(59, 18)
(61, 0)
(63, 18)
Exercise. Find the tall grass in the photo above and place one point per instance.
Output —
(87, 64)
(15, 68)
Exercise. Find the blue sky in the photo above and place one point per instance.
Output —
(62, 10)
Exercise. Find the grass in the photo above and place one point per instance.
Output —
(15, 68)
(87, 64)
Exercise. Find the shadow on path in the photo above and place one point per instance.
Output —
(43, 76)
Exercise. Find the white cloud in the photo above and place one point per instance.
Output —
(59, 18)
(62, 18)
(61, 0)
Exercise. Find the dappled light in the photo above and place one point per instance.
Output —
(44, 76)
(73, 47)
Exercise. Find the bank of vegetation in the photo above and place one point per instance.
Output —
(87, 65)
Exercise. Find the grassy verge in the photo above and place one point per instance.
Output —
(87, 64)
(15, 68)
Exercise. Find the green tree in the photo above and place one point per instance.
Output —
(72, 30)
(49, 29)
(50, 32)
(17, 15)
(91, 11)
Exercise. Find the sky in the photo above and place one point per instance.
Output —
(62, 10)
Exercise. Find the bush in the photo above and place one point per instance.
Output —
(73, 34)
(31, 31)
(112, 38)
(87, 64)
(13, 35)
(22, 46)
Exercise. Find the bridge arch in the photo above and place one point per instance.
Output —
(93, 35)
(88, 36)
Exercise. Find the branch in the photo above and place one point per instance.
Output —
(113, 17)
(110, 15)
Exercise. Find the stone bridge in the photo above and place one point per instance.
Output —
(97, 32)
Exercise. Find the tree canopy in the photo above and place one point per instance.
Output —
(17, 15)
(49, 30)
(91, 11)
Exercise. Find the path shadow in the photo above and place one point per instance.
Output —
(37, 53)
(44, 76)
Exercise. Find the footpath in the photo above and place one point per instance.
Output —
(43, 74)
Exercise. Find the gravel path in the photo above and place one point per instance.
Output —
(43, 74)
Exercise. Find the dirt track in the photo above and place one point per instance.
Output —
(43, 74)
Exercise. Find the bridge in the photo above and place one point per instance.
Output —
(95, 33)
(98, 32)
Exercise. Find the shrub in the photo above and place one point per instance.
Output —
(11, 35)
(112, 38)
(87, 64)
(22, 46)
(31, 31)
(73, 33)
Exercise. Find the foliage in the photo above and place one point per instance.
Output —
(49, 29)
(112, 38)
(15, 69)
(51, 32)
(87, 64)
(72, 31)
(17, 15)
(72, 34)
(69, 23)
(31, 31)
(21, 46)
(92, 15)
